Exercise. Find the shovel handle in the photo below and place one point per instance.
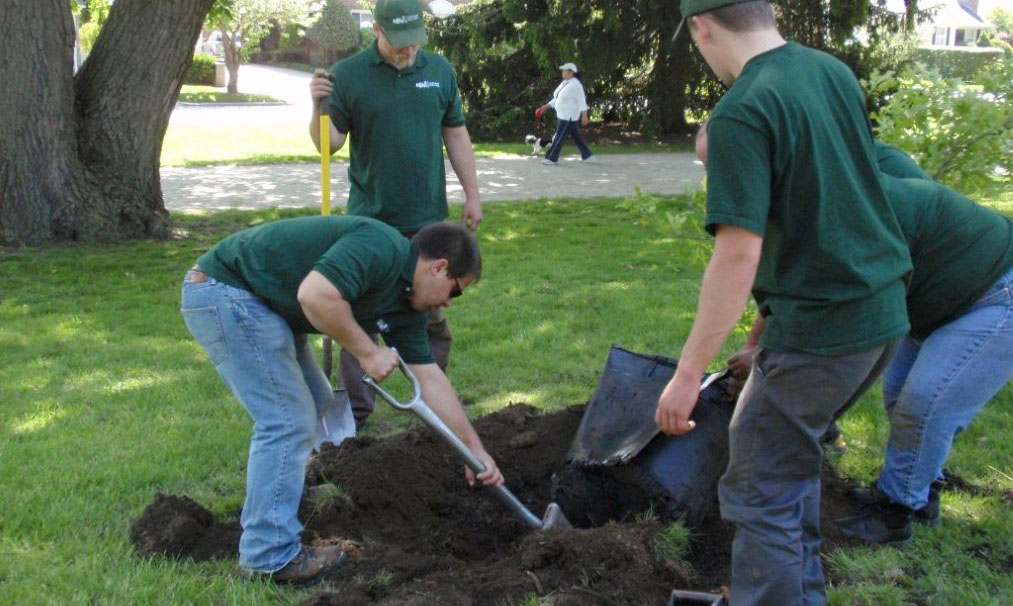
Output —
(419, 407)
(325, 152)
(324, 106)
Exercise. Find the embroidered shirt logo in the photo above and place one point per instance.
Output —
(405, 19)
(427, 84)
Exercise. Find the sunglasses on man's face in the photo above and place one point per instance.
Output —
(456, 291)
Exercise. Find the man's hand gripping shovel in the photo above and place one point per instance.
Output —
(553, 517)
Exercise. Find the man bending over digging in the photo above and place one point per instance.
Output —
(252, 300)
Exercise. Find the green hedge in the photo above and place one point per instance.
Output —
(963, 64)
(202, 70)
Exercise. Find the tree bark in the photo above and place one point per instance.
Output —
(669, 75)
(231, 58)
(79, 155)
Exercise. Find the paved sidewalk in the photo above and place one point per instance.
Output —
(501, 178)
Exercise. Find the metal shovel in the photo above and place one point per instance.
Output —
(553, 517)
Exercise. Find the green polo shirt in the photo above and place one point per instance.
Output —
(791, 158)
(959, 249)
(370, 263)
(396, 120)
(897, 163)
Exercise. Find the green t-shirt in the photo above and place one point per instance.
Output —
(895, 162)
(959, 249)
(791, 159)
(396, 120)
(370, 263)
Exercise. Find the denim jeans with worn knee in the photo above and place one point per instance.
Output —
(273, 374)
(771, 488)
(933, 389)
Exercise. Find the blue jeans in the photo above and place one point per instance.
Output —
(771, 488)
(933, 388)
(274, 375)
(566, 128)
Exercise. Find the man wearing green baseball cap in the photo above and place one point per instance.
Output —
(800, 219)
(401, 21)
(398, 105)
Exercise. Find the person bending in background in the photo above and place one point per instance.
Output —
(958, 354)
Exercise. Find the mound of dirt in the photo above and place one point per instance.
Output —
(176, 526)
(417, 534)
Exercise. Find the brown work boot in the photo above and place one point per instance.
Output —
(312, 565)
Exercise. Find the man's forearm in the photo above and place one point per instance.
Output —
(337, 139)
(439, 394)
(462, 158)
(723, 296)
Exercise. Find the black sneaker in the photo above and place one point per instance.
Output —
(929, 515)
(880, 521)
(312, 565)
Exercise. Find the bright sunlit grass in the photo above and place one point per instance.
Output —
(105, 399)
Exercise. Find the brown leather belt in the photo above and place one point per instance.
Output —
(197, 275)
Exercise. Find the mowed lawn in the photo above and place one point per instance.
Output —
(106, 399)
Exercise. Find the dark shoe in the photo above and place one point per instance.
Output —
(880, 521)
(929, 515)
(312, 565)
(835, 438)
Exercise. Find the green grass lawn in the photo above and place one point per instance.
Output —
(195, 93)
(108, 400)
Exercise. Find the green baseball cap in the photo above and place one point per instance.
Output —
(688, 8)
(401, 21)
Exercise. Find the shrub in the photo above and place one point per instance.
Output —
(958, 135)
(87, 35)
(963, 64)
(336, 28)
(202, 70)
(366, 38)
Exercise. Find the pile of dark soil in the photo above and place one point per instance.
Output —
(417, 534)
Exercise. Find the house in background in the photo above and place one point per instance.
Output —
(956, 23)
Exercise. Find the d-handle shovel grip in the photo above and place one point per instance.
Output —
(475, 464)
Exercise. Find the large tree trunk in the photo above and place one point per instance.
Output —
(79, 157)
(670, 74)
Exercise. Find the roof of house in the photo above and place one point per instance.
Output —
(955, 14)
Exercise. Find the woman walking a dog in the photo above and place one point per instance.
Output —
(570, 104)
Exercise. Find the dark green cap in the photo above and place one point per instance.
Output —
(688, 8)
(401, 21)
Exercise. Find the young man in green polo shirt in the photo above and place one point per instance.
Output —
(399, 105)
(800, 219)
(252, 300)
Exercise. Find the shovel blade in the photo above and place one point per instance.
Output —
(555, 519)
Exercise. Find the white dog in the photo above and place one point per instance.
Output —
(538, 144)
